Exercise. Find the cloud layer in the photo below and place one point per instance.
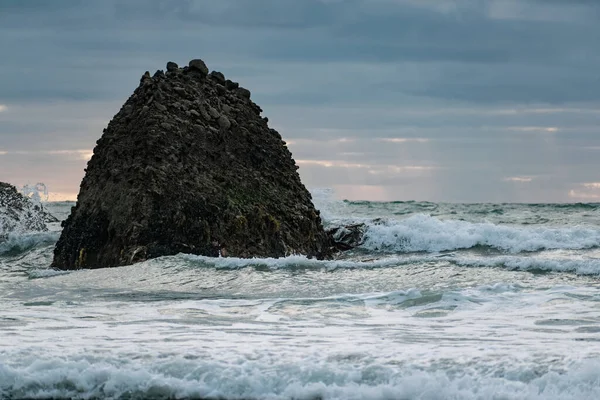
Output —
(473, 100)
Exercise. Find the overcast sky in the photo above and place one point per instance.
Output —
(439, 100)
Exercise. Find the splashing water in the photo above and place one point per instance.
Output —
(38, 193)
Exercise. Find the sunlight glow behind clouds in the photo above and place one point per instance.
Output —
(3, 108)
(59, 196)
(80, 154)
(584, 196)
(589, 191)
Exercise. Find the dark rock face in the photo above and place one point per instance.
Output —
(171, 66)
(199, 65)
(188, 165)
(347, 237)
(19, 214)
(218, 77)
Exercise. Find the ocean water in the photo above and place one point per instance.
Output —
(442, 301)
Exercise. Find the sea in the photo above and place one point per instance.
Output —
(441, 301)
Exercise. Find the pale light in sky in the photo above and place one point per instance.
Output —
(84, 155)
(520, 179)
(404, 140)
(548, 129)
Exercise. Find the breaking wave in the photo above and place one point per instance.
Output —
(257, 379)
(21, 243)
(422, 233)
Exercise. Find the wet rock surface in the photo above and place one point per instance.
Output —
(18, 214)
(347, 237)
(189, 165)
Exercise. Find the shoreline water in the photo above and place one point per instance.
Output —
(514, 316)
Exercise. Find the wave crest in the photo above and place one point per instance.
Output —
(422, 233)
(179, 378)
(17, 244)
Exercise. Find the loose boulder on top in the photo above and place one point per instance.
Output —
(189, 165)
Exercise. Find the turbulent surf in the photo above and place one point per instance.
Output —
(440, 301)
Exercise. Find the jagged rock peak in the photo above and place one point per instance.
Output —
(189, 165)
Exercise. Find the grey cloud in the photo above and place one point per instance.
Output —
(38, 6)
(457, 74)
(284, 14)
(459, 55)
(60, 126)
(569, 3)
(524, 87)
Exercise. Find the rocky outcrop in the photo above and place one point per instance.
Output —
(18, 214)
(347, 237)
(189, 165)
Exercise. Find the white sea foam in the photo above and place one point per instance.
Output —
(180, 378)
(369, 299)
(426, 233)
(302, 262)
(45, 273)
(484, 341)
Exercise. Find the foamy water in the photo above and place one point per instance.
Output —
(441, 302)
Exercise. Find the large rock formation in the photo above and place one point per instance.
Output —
(18, 214)
(189, 165)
